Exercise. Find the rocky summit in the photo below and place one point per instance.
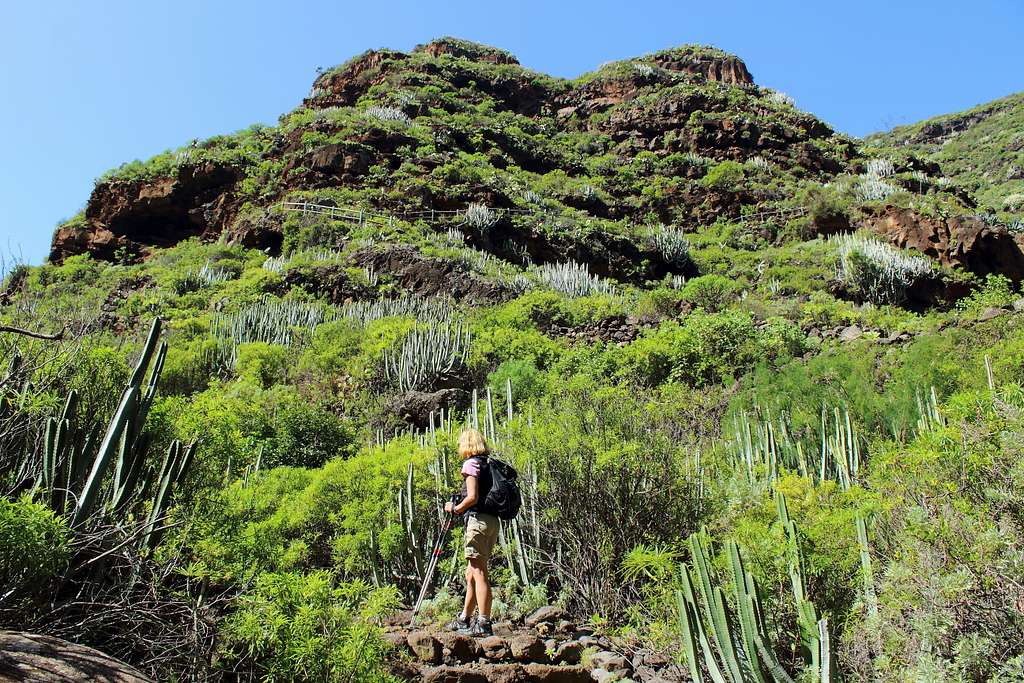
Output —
(760, 382)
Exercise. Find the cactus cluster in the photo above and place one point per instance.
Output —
(780, 98)
(195, 280)
(876, 270)
(572, 279)
(279, 264)
(765, 446)
(388, 114)
(425, 310)
(670, 243)
(480, 217)
(268, 320)
(429, 355)
(90, 477)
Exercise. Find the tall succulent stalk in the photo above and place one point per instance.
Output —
(712, 643)
(93, 478)
(121, 445)
(427, 356)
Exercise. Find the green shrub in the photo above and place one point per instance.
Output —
(724, 176)
(262, 363)
(34, 547)
(527, 382)
(308, 627)
(714, 348)
(710, 292)
(306, 435)
(595, 449)
(997, 291)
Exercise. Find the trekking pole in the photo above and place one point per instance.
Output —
(435, 555)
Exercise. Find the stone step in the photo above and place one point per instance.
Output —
(505, 673)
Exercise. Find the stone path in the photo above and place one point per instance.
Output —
(546, 648)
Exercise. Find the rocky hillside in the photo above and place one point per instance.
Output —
(453, 124)
(761, 382)
(981, 149)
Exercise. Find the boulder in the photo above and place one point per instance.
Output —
(544, 673)
(568, 652)
(527, 649)
(505, 673)
(415, 407)
(612, 662)
(850, 333)
(397, 641)
(425, 647)
(459, 648)
(494, 648)
(31, 657)
(989, 314)
(453, 674)
(550, 613)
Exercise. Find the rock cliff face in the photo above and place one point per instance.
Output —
(198, 200)
(723, 69)
(961, 241)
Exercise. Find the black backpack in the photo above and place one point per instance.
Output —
(504, 499)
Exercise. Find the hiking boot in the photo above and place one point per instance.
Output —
(481, 628)
(459, 624)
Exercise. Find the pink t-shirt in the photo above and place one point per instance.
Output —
(471, 467)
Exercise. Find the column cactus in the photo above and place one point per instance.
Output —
(711, 642)
(122, 436)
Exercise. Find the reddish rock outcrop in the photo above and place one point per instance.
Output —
(962, 241)
(158, 212)
(425, 276)
(727, 69)
(467, 50)
(343, 86)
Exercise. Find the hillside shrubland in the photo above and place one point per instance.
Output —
(731, 352)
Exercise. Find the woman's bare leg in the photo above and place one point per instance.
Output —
(471, 592)
(478, 567)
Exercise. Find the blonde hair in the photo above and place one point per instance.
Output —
(471, 443)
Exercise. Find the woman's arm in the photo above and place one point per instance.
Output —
(472, 487)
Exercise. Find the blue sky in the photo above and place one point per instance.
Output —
(85, 86)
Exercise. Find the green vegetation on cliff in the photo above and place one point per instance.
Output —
(981, 149)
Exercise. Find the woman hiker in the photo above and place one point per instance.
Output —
(481, 533)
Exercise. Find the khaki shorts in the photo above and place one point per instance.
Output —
(481, 535)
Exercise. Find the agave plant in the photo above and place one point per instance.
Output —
(712, 643)
(93, 478)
